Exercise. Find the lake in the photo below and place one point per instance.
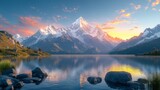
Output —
(70, 72)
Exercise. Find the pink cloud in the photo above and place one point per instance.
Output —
(155, 3)
(32, 21)
(26, 27)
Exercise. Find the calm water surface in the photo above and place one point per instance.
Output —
(70, 72)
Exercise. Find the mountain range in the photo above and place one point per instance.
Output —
(79, 37)
(82, 37)
(147, 41)
(10, 47)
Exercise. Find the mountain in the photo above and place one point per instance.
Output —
(148, 35)
(79, 37)
(142, 48)
(145, 42)
(10, 47)
(19, 38)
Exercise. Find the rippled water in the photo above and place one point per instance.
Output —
(70, 72)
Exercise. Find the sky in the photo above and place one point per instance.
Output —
(119, 18)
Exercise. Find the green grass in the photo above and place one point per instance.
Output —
(154, 81)
(5, 64)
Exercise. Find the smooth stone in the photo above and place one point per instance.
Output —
(35, 79)
(9, 88)
(118, 77)
(27, 80)
(94, 80)
(37, 72)
(6, 81)
(136, 85)
(22, 76)
(18, 85)
(142, 80)
(9, 71)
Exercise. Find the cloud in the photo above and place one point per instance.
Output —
(155, 3)
(122, 11)
(26, 25)
(126, 15)
(136, 7)
(3, 20)
(70, 10)
(59, 17)
(117, 21)
(32, 21)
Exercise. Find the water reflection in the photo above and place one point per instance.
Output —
(71, 72)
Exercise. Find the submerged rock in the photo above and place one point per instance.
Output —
(94, 80)
(123, 81)
(118, 77)
(10, 81)
(142, 80)
(135, 85)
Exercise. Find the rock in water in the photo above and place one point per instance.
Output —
(135, 85)
(94, 80)
(118, 77)
(142, 80)
(9, 88)
(37, 72)
(6, 81)
(9, 71)
(22, 76)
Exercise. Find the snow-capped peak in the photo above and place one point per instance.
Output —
(80, 22)
(48, 30)
(18, 38)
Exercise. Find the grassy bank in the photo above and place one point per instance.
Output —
(5, 64)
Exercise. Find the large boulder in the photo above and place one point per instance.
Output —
(94, 80)
(6, 81)
(37, 72)
(11, 72)
(118, 77)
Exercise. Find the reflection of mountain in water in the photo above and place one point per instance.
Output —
(69, 70)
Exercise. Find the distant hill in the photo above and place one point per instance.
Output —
(11, 47)
(146, 42)
(141, 48)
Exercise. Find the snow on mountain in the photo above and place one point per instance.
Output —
(78, 32)
(148, 35)
(19, 38)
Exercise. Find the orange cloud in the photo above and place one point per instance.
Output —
(122, 11)
(32, 21)
(155, 3)
(126, 15)
(26, 27)
(117, 21)
(124, 34)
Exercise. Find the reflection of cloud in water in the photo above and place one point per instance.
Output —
(76, 69)
(22, 69)
(101, 72)
(56, 75)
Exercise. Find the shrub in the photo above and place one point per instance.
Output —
(154, 82)
(5, 64)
